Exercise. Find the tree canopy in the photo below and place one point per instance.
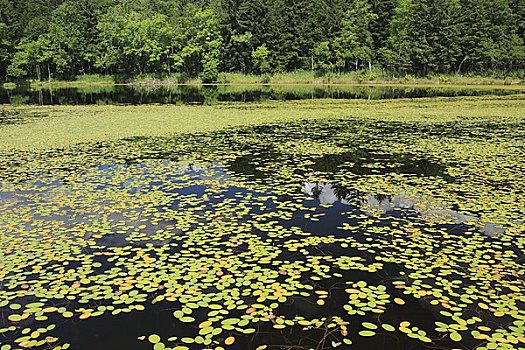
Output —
(54, 38)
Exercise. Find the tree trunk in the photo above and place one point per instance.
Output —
(38, 72)
(48, 72)
(461, 64)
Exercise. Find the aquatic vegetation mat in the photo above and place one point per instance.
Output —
(338, 233)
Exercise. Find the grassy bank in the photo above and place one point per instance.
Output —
(298, 77)
(78, 81)
(366, 77)
(52, 127)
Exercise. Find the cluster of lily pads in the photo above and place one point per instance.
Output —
(329, 234)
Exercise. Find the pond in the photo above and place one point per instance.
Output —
(209, 95)
(316, 234)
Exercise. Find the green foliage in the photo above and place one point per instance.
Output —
(355, 43)
(203, 38)
(261, 60)
(322, 54)
(490, 38)
(33, 56)
(5, 46)
(452, 35)
(134, 38)
(199, 48)
(74, 27)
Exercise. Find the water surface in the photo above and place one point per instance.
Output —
(121, 94)
(316, 234)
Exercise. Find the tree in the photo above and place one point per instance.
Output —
(9, 34)
(34, 56)
(424, 36)
(5, 48)
(261, 60)
(323, 58)
(355, 43)
(244, 26)
(208, 38)
(292, 32)
(518, 9)
(204, 37)
(133, 38)
(490, 39)
(384, 10)
(73, 29)
(33, 17)
(198, 50)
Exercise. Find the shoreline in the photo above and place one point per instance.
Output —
(283, 79)
(72, 85)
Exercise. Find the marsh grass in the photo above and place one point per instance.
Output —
(78, 81)
(375, 76)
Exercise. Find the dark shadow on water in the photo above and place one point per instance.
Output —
(361, 162)
(209, 95)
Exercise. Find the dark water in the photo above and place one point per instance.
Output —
(120, 94)
(266, 181)
(331, 201)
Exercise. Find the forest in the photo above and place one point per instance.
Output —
(51, 39)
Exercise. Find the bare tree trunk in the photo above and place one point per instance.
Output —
(461, 64)
(139, 66)
(48, 72)
(370, 66)
(38, 72)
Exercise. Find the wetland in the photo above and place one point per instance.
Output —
(262, 218)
